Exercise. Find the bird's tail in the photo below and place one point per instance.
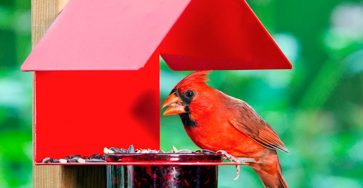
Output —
(269, 170)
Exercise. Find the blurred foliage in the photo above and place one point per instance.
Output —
(15, 95)
(316, 108)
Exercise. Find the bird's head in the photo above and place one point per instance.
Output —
(191, 94)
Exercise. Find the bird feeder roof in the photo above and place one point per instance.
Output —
(188, 34)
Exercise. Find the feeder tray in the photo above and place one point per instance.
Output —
(147, 159)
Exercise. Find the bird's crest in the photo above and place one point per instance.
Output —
(195, 77)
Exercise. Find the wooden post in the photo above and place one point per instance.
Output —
(43, 14)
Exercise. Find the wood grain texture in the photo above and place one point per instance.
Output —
(69, 176)
(43, 14)
(83, 176)
(47, 176)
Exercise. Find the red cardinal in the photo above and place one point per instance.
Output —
(216, 121)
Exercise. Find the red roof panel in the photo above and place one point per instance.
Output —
(215, 35)
(105, 35)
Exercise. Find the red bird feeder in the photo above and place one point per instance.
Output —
(97, 68)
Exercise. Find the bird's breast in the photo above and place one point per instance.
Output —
(213, 135)
(218, 134)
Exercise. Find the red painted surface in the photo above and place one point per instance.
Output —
(81, 112)
(215, 34)
(105, 35)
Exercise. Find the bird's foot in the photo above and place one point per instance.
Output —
(246, 160)
(228, 156)
(238, 170)
(239, 161)
(232, 158)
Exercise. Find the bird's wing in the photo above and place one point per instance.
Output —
(250, 123)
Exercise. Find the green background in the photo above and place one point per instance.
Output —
(316, 108)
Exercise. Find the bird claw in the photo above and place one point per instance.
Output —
(238, 170)
(239, 161)
(227, 156)
(232, 158)
(246, 160)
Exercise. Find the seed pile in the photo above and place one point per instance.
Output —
(94, 158)
(76, 159)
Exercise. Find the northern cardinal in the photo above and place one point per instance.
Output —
(216, 121)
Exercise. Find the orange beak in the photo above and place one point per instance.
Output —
(174, 104)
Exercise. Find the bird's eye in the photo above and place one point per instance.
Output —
(189, 93)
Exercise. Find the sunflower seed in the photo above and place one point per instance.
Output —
(94, 160)
(47, 160)
(131, 149)
(63, 161)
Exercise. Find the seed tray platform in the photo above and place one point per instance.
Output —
(122, 157)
